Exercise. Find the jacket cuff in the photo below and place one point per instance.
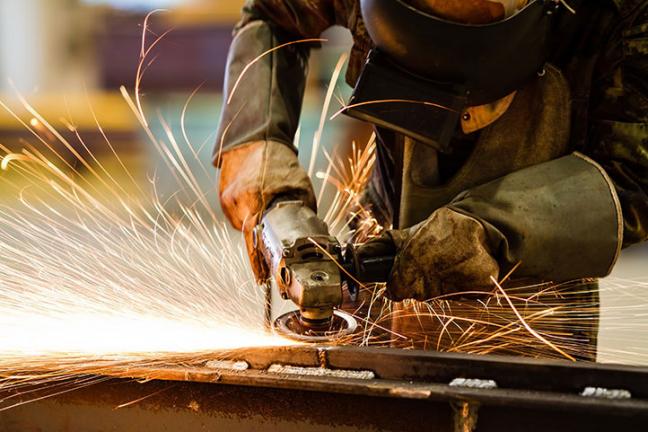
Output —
(561, 219)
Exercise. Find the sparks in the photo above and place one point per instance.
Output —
(101, 274)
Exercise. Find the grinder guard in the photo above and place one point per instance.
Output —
(423, 58)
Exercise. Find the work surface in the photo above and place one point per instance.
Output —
(315, 388)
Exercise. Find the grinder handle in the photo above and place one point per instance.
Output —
(366, 269)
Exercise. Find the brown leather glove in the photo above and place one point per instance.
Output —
(253, 177)
(444, 254)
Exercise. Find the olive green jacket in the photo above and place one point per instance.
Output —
(602, 51)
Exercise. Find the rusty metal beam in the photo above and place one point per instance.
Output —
(311, 387)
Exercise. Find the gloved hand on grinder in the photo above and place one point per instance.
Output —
(255, 176)
(445, 253)
(543, 217)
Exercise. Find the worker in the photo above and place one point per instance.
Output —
(550, 178)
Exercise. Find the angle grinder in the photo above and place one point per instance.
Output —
(310, 268)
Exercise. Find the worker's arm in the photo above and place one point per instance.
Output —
(561, 220)
(570, 217)
(267, 100)
(264, 87)
(618, 134)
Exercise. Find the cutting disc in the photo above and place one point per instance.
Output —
(290, 325)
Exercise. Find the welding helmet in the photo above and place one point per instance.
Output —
(470, 11)
(426, 69)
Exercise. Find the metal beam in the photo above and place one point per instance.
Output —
(351, 388)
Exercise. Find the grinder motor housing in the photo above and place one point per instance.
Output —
(301, 256)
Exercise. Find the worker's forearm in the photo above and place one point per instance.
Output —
(617, 126)
(625, 159)
(561, 219)
(263, 88)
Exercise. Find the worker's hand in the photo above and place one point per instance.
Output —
(444, 254)
(254, 176)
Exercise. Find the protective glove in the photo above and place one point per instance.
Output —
(253, 177)
(560, 220)
(446, 253)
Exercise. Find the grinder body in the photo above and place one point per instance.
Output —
(301, 256)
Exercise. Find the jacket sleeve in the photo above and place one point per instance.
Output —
(266, 103)
(569, 218)
(618, 135)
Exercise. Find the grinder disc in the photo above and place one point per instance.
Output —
(291, 326)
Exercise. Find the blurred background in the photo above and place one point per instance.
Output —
(70, 57)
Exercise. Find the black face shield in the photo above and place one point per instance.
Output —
(425, 70)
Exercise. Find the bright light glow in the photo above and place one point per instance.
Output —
(93, 335)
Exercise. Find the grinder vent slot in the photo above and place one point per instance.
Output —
(312, 255)
(310, 251)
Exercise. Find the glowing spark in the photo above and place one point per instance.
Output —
(526, 325)
(327, 101)
(11, 157)
(138, 400)
(568, 7)
(383, 101)
(144, 52)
